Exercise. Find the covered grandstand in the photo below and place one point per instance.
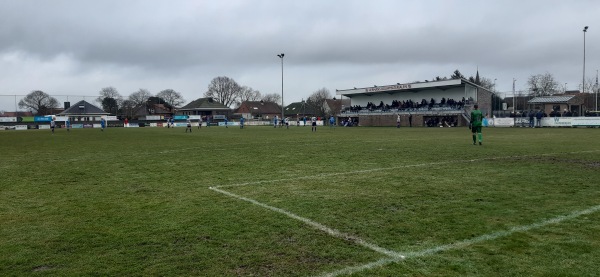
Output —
(435, 103)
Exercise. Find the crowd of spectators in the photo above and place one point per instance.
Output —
(554, 113)
(410, 105)
(446, 121)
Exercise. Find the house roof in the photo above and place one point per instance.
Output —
(260, 107)
(300, 108)
(204, 104)
(551, 99)
(83, 108)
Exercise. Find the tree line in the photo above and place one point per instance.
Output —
(227, 91)
(222, 89)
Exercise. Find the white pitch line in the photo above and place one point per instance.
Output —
(499, 234)
(464, 243)
(332, 232)
(353, 269)
(394, 256)
(391, 168)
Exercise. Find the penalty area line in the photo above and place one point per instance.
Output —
(463, 243)
(330, 231)
(322, 175)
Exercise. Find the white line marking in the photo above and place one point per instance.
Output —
(394, 256)
(391, 168)
(353, 269)
(464, 243)
(318, 226)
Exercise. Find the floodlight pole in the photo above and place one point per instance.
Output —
(494, 96)
(583, 83)
(281, 57)
(597, 90)
(514, 108)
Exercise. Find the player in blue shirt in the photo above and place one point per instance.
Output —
(102, 124)
(242, 123)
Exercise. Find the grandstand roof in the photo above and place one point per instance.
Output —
(408, 87)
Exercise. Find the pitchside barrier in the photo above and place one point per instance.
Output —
(545, 122)
(13, 123)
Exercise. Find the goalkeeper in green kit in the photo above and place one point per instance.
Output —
(476, 122)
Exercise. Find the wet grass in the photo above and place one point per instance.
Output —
(137, 201)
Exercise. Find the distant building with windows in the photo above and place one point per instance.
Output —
(204, 106)
(258, 110)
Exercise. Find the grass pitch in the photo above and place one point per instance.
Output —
(289, 202)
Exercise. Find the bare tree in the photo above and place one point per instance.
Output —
(224, 90)
(38, 102)
(109, 92)
(543, 84)
(140, 97)
(248, 94)
(172, 97)
(127, 108)
(457, 75)
(110, 105)
(272, 98)
(487, 83)
(317, 101)
(590, 85)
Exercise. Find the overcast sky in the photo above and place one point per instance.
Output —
(77, 47)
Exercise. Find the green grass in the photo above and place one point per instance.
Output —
(137, 202)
